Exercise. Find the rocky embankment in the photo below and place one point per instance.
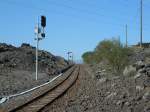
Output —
(127, 92)
(17, 67)
(101, 90)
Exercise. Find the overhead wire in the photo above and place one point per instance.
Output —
(45, 10)
(85, 11)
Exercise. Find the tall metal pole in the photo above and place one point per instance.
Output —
(119, 40)
(37, 47)
(68, 56)
(72, 57)
(39, 36)
(141, 28)
(126, 35)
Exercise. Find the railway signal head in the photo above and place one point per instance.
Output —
(43, 21)
(43, 35)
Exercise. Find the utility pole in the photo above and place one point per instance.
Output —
(126, 35)
(141, 28)
(119, 40)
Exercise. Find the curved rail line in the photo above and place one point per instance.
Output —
(6, 98)
(40, 100)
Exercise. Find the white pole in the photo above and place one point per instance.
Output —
(72, 57)
(37, 45)
(39, 37)
(141, 28)
(126, 35)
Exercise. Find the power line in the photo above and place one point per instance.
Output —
(83, 10)
(92, 19)
(74, 8)
(33, 7)
(79, 10)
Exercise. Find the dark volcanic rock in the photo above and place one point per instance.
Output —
(147, 82)
(24, 58)
(4, 47)
(17, 68)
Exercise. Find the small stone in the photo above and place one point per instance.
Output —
(98, 72)
(148, 73)
(98, 76)
(111, 95)
(129, 71)
(146, 96)
(147, 65)
(127, 104)
(147, 109)
(103, 80)
(147, 68)
(137, 75)
(138, 98)
(146, 83)
(120, 103)
(143, 70)
(139, 65)
(139, 88)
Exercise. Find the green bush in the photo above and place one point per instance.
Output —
(88, 57)
(112, 51)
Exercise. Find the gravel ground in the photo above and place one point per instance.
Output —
(81, 97)
(18, 81)
(117, 94)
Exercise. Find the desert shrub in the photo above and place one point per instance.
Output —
(88, 57)
(112, 51)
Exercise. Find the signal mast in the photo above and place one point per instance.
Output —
(40, 35)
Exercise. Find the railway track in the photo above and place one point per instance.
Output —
(71, 97)
(39, 101)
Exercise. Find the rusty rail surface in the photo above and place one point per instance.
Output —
(35, 101)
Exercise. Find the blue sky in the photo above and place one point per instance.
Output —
(72, 25)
